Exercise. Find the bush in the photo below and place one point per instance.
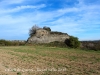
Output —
(47, 28)
(91, 45)
(59, 33)
(4, 43)
(72, 42)
(11, 43)
(97, 47)
(32, 31)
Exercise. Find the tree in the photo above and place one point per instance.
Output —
(47, 28)
(32, 31)
(72, 42)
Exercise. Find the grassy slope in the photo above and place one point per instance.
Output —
(62, 61)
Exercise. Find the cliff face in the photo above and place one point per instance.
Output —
(44, 36)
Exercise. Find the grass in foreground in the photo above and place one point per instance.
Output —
(40, 60)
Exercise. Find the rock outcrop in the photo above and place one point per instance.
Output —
(44, 36)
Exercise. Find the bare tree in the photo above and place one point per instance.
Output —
(32, 31)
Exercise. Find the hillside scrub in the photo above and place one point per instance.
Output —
(11, 43)
(47, 28)
(59, 33)
(90, 45)
(72, 42)
(33, 29)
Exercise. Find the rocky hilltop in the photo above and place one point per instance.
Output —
(44, 36)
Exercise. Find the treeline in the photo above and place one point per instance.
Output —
(90, 45)
(72, 43)
(11, 43)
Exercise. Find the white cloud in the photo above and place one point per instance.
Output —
(84, 18)
(7, 3)
(19, 8)
(11, 1)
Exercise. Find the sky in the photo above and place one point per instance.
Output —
(79, 18)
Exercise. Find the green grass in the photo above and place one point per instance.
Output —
(76, 61)
(19, 73)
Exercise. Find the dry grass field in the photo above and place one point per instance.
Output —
(40, 60)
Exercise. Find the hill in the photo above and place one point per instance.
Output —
(44, 36)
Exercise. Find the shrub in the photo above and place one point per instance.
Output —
(47, 28)
(97, 46)
(72, 42)
(32, 31)
(2, 42)
(59, 33)
(91, 45)
(11, 43)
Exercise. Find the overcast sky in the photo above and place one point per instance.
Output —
(80, 18)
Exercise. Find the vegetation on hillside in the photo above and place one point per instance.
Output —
(90, 45)
(47, 28)
(33, 29)
(59, 33)
(11, 43)
(73, 42)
